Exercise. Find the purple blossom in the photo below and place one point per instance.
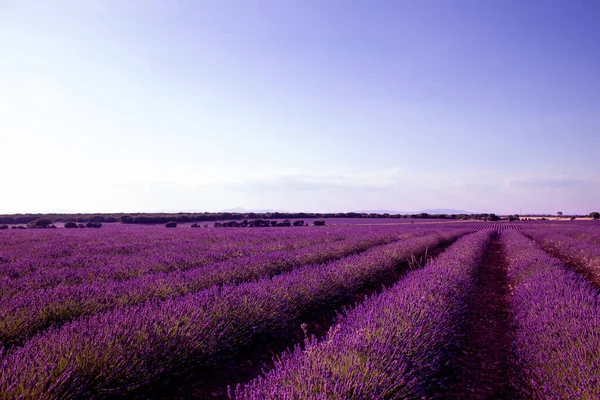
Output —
(126, 347)
(557, 324)
(392, 346)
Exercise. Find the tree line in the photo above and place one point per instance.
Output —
(162, 218)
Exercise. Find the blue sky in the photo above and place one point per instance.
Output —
(131, 105)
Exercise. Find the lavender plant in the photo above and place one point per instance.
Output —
(585, 254)
(557, 324)
(114, 352)
(40, 260)
(32, 311)
(391, 347)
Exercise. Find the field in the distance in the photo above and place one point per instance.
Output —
(355, 309)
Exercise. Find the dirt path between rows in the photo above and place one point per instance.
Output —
(483, 368)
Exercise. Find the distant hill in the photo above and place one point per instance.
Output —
(391, 212)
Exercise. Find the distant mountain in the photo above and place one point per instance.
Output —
(381, 212)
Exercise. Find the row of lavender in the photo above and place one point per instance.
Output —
(392, 346)
(117, 351)
(396, 344)
(34, 310)
(587, 230)
(80, 257)
(579, 247)
(120, 255)
(557, 324)
(27, 251)
(67, 371)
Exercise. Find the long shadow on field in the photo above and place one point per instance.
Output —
(483, 367)
(249, 362)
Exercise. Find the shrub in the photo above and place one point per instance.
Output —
(70, 225)
(3, 226)
(81, 226)
(319, 223)
(595, 215)
(171, 224)
(259, 223)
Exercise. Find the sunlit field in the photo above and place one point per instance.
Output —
(354, 309)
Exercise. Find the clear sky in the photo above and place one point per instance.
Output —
(308, 105)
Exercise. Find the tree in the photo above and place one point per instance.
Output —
(595, 215)
(493, 217)
(39, 223)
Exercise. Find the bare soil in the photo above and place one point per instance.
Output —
(483, 368)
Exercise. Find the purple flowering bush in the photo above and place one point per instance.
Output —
(117, 351)
(557, 324)
(392, 346)
(31, 311)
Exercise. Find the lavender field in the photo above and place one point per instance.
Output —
(358, 309)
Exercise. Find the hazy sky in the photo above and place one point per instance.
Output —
(308, 105)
